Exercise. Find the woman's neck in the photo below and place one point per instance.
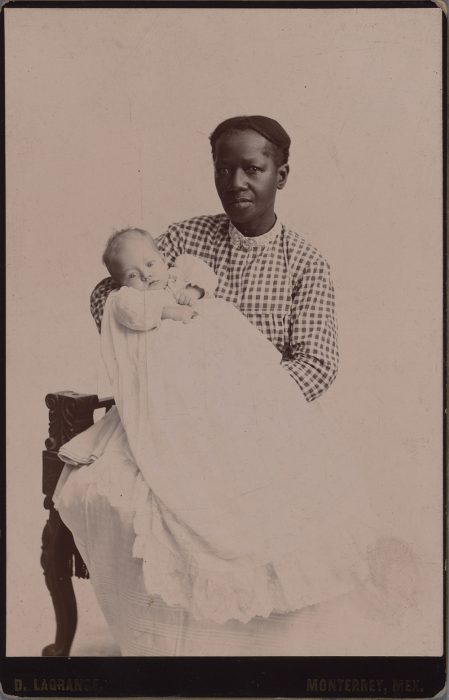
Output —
(252, 230)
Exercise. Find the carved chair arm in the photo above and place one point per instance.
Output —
(69, 414)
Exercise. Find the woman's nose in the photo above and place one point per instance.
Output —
(237, 181)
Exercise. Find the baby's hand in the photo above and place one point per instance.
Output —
(178, 313)
(183, 297)
(186, 313)
(189, 295)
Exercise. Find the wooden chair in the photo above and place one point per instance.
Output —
(69, 414)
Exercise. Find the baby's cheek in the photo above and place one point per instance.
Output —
(135, 284)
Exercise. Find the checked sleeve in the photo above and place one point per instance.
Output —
(312, 360)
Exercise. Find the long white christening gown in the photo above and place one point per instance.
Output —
(215, 470)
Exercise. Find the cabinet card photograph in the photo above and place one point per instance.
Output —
(224, 322)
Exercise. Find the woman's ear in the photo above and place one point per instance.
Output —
(283, 171)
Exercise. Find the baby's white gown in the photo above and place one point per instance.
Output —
(219, 472)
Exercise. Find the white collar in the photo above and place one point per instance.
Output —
(242, 242)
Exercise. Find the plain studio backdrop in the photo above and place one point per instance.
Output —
(108, 116)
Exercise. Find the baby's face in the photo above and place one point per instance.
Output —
(139, 265)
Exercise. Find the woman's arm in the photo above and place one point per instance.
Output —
(171, 244)
(313, 358)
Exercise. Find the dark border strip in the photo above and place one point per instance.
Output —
(320, 677)
(280, 4)
(3, 341)
(444, 77)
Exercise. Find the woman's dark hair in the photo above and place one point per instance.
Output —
(266, 127)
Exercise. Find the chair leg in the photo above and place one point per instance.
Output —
(57, 563)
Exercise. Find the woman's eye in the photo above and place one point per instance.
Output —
(222, 171)
(252, 169)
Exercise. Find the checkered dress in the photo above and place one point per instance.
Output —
(278, 281)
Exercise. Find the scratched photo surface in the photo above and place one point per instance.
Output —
(108, 114)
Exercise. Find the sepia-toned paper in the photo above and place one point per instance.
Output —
(108, 113)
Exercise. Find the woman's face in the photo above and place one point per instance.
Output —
(247, 179)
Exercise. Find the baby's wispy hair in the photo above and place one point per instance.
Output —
(114, 243)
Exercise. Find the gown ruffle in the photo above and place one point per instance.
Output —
(228, 476)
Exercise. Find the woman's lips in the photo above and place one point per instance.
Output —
(240, 203)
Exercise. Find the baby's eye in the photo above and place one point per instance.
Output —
(131, 275)
(150, 263)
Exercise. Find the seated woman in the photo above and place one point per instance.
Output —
(212, 557)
